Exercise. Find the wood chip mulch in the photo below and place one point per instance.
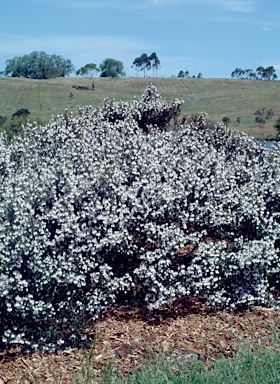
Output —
(127, 335)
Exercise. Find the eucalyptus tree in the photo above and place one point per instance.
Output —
(145, 63)
(155, 63)
(237, 73)
(261, 73)
(88, 70)
(137, 65)
(266, 73)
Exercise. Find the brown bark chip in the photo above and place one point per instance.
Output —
(186, 331)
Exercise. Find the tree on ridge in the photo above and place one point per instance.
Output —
(111, 68)
(38, 65)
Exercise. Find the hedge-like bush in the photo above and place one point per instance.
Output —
(112, 204)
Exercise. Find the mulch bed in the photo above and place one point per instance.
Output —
(127, 335)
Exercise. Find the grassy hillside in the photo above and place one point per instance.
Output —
(217, 97)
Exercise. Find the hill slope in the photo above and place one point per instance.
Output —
(217, 97)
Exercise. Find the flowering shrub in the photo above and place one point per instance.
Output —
(109, 204)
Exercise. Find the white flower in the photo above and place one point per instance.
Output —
(96, 204)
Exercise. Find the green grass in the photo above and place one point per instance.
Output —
(247, 367)
(251, 364)
(217, 97)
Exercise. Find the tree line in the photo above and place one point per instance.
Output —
(261, 73)
(40, 65)
(187, 74)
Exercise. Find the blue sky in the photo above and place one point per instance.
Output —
(209, 36)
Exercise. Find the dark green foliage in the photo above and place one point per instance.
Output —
(145, 63)
(38, 65)
(111, 68)
(266, 73)
(260, 111)
(88, 70)
(21, 112)
(263, 114)
(14, 127)
(155, 63)
(3, 120)
(239, 73)
(187, 74)
(142, 63)
(226, 120)
(260, 120)
(238, 119)
(277, 126)
(269, 114)
(260, 74)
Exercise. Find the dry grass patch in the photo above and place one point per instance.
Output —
(217, 97)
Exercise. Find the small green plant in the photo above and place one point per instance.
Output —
(3, 120)
(277, 126)
(87, 369)
(269, 114)
(15, 126)
(23, 112)
(263, 114)
(226, 120)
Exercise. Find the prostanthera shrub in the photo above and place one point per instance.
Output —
(100, 206)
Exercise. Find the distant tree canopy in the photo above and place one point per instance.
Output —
(111, 68)
(38, 65)
(145, 63)
(187, 74)
(88, 70)
(260, 74)
(182, 74)
(155, 63)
